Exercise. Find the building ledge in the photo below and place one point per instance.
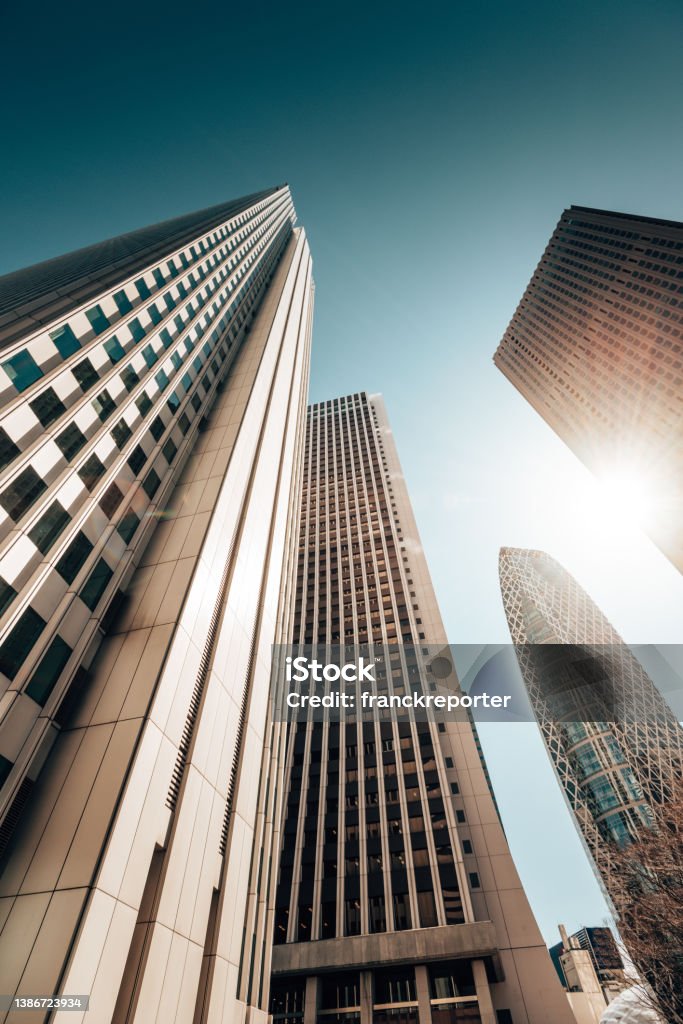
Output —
(418, 945)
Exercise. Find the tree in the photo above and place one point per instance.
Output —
(648, 897)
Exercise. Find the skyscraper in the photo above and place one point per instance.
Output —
(616, 747)
(596, 347)
(397, 899)
(153, 404)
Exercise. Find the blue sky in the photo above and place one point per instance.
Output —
(431, 149)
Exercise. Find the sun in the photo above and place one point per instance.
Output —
(627, 495)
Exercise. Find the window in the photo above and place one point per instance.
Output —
(137, 459)
(504, 1016)
(154, 314)
(65, 341)
(49, 670)
(427, 909)
(169, 451)
(136, 329)
(8, 449)
(149, 355)
(85, 374)
(49, 527)
(166, 338)
(7, 595)
(474, 880)
(455, 788)
(128, 526)
(151, 483)
(157, 427)
(143, 403)
(466, 846)
(91, 471)
(22, 493)
(74, 558)
(460, 816)
(114, 349)
(70, 441)
(22, 370)
(173, 402)
(184, 423)
(162, 380)
(20, 641)
(96, 584)
(129, 377)
(104, 405)
(110, 500)
(98, 320)
(121, 432)
(123, 302)
(48, 407)
(143, 290)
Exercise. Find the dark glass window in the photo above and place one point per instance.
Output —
(96, 584)
(47, 406)
(65, 341)
(149, 355)
(151, 483)
(121, 432)
(143, 290)
(20, 641)
(166, 338)
(49, 527)
(158, 277)
(154, 314)
(144, 403)
(137, 459)
(98, 321)
(128, 526)
(85, 374)
(91, 471)
(173, 402)
(110, 500)
(136, 329)
(22, 493)
(74, 558)
(169, 451)
(184, 423)
(129, 377)
(162, 380)
(104, 405)
(157, 427)
(70, 441)
(7, 595)
(123, 302)
(49, 670)
(22, 370)
(8, 449)
(114, 349)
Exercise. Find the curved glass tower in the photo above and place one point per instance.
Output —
(616, 747)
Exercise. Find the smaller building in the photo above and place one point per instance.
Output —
(590, 970)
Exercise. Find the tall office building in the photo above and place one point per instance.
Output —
(397, 900)
(153, 405)
(596, 346)
(616, 747)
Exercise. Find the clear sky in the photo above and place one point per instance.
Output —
(431, 149)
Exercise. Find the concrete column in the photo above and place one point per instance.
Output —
(424, 1006)
(311, 1000)
(486, 1011)
(366, 997)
